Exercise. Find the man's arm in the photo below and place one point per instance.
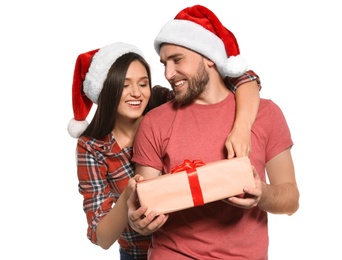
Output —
(137, 219)
(146, 172)
(281, 195)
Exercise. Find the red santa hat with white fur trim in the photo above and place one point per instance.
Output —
(90, 73)
(197, 28)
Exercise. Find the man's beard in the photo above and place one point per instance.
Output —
(197, 85)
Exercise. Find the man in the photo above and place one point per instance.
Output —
(194, 127)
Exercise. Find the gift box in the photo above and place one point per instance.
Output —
(194, 183)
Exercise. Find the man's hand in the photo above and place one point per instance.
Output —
(142, 224)
(251, 196)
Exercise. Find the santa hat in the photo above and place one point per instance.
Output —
(197, 28)
(90, 73)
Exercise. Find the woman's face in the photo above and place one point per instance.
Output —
(136, 92)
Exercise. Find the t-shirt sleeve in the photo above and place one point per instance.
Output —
(279, 136)
(146, 147)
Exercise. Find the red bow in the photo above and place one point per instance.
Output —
(187, 165)
(195, 187)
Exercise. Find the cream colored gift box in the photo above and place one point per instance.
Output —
(196, 185)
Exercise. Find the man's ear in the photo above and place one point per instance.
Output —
(209, 62)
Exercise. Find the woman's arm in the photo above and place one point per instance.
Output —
(105, 221)
(113, 224)
(246, 89)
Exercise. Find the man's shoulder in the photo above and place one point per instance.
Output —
(160, 111)
(161, 117)
(267, 104)
(270, 110)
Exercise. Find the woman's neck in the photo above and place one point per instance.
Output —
(124, 132)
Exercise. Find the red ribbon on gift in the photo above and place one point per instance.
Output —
(195, 187)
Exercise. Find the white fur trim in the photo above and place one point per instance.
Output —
(235, 66)
(76, 128)
(100, 65)
(193, 36)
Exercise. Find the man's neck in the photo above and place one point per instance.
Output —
(215, 92)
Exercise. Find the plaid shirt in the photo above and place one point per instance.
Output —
(234, 83)
(103, 172)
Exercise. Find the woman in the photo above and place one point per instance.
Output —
(117, 79)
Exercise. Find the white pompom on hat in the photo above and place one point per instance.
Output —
(197, 28)
(90, 73)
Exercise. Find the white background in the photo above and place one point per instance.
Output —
(294, 46)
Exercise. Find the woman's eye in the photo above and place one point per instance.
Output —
(144, 83)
